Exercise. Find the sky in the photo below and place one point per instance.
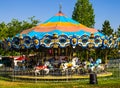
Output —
(45, 9)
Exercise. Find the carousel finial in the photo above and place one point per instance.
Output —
(60, 7)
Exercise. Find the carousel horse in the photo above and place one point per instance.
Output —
(74, 63)
(98, 61)
(20, 63)
(95, 67)
(99, 67)
(88, 66)
(43, 67)
(69, 65)
(91, 67)
(65, 66)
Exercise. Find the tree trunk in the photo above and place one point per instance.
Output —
(106, 60)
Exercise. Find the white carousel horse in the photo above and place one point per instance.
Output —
(72, 65)
(100, 68)
(43, 67)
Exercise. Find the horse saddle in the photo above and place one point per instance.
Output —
(69, 65)
(41, 67)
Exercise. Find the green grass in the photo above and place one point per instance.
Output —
(105, 82)
(109, 82)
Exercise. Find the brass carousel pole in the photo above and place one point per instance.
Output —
(70, 53)
(58, 51)
(66, 51)
(86, 54)
(13, 72)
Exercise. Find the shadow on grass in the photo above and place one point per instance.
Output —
(5, 78)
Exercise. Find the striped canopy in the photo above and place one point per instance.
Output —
(60, 31)
(60, 24)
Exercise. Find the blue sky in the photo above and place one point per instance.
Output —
(45, 9)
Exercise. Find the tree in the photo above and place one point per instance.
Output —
(118, 31)
(106, 28)
(84, 13)
(3, 30)
(14, 27)
(27, 25)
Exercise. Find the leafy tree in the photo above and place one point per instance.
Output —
(27, 25)
(118, 31)
(84, 13)
(14, 27)
(113, 53)
(106, 29)
(3, 30)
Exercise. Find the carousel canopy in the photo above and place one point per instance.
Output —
(60, 31)
(60, 24)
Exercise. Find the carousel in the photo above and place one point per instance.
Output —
(56, 46)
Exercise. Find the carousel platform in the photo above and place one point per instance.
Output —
(58, 78)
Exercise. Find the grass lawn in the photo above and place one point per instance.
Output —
(105, 82)
(109, 82)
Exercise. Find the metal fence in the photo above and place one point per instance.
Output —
(114, 67)
(29, 75)
(56, 74)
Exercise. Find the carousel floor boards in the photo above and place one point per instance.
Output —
(57, 78)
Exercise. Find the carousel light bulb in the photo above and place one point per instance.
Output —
(74, 47)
